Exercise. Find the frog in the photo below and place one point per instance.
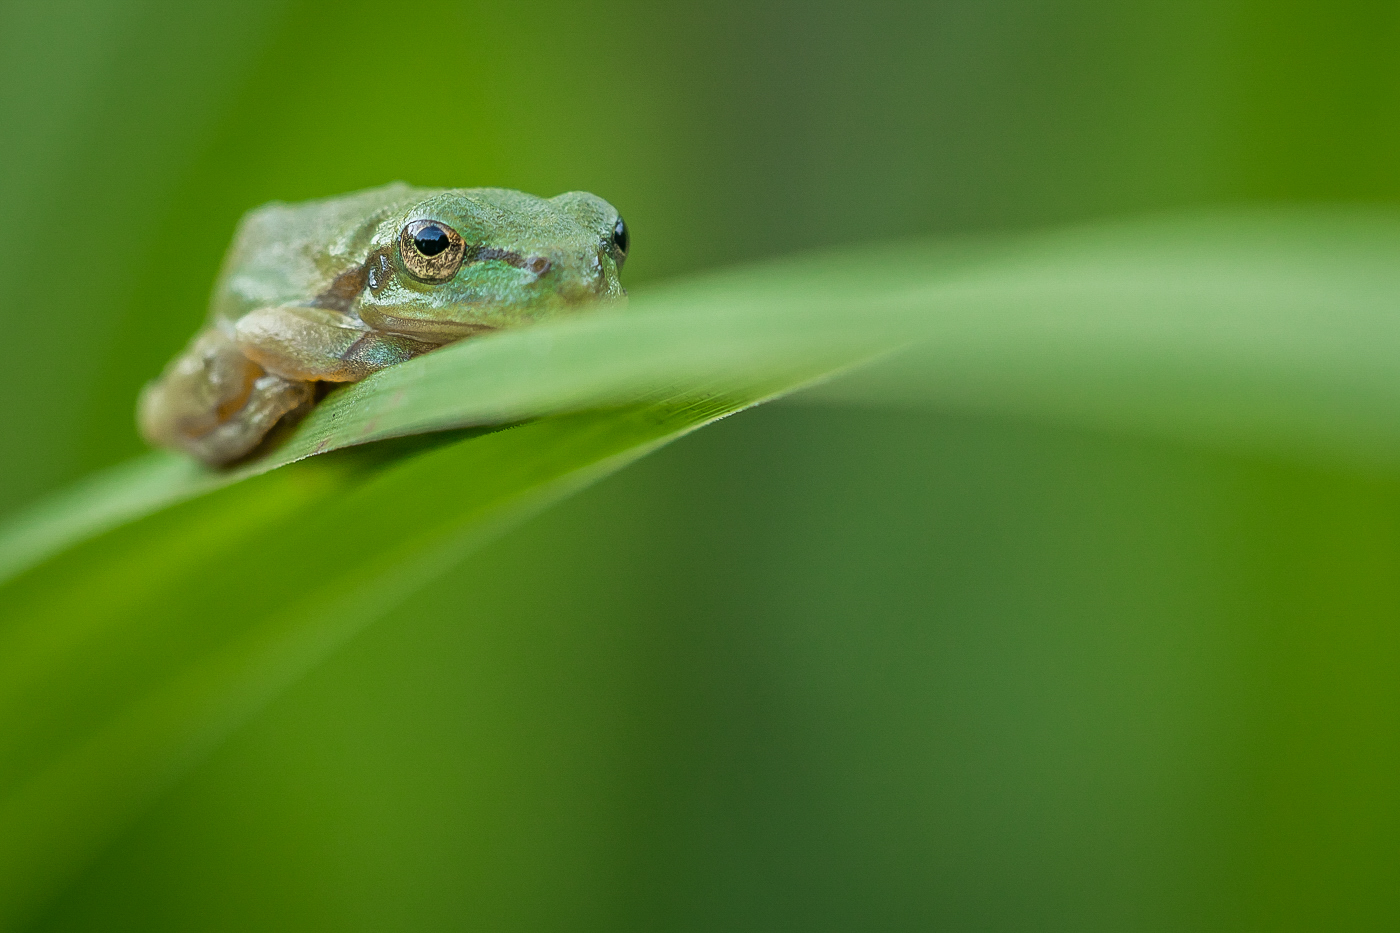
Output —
(319, 293)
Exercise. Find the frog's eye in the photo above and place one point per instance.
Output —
(621, 239)
(431, 251)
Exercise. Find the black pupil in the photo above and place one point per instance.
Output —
(620, 237)
(430, 241)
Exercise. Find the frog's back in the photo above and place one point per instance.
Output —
(291, 253)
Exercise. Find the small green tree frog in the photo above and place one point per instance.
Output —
(330, 291)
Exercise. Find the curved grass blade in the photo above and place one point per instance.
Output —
(1272, 328)
(572, 365)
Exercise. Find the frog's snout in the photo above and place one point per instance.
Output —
(576, 278)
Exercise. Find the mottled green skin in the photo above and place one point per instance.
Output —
(291, 253)
(319, 292)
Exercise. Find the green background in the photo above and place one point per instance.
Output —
(820, 666)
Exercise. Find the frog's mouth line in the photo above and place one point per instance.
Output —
(438, 332)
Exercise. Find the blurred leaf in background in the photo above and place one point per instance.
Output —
(1056, 645)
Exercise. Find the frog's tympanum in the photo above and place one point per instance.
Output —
(331, 291)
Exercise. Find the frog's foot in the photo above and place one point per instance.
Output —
(200, 390)
(215, 403)
(272, 398)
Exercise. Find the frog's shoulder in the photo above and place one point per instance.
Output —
(285, 253)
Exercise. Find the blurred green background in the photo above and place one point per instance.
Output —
(816, 667)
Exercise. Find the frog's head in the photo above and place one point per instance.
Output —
(476, 259)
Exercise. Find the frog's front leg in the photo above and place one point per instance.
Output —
(317, 344)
